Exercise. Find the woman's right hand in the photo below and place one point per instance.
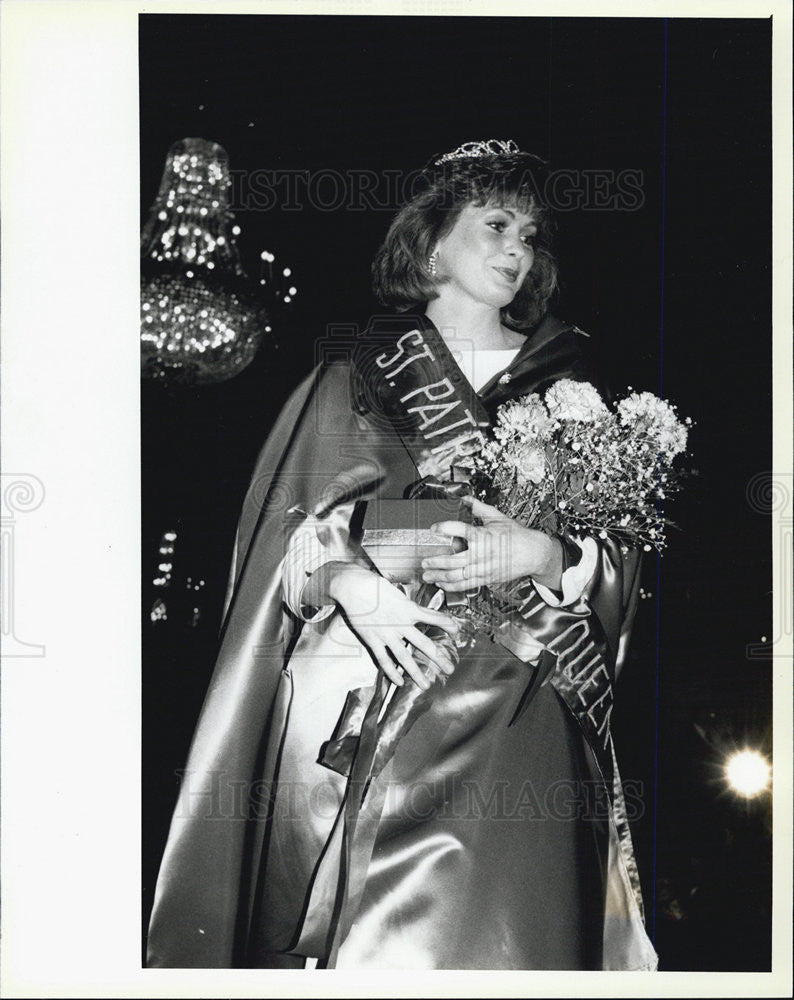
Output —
(385, 620)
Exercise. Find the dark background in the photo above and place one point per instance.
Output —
(676, 293)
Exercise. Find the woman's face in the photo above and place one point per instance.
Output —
(487, 254)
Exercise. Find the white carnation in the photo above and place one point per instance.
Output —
(657, 417)
(525, 417)
(575, 401)
(530, 464)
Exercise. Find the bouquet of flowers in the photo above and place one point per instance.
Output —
(567, 463)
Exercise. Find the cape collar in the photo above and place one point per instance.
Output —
(537, 341)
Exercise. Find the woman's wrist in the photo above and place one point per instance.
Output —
(322, 587)
(549, 574)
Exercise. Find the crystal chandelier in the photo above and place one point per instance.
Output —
(201, 319)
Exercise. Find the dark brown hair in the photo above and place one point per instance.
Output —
(400, 276)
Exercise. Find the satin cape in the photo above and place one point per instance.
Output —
(254, 859)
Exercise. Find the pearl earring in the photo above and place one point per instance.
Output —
(431, 263)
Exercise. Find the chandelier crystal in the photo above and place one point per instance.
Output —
(201, 318)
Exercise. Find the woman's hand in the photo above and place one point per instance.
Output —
(498, 552)
(385, 620)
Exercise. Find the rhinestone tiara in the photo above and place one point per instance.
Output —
(479, 150)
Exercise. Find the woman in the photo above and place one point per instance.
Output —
(366, 787)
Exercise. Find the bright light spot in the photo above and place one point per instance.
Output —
(286, 272)
(747, 772)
